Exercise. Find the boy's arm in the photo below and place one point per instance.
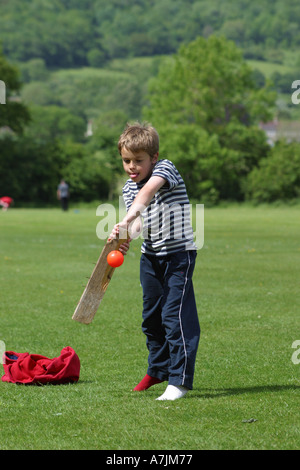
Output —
(143, 198)
(140, 203)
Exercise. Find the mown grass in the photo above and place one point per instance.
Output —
(247, 286)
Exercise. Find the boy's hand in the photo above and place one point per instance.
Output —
(116, 231)
(125, 247)
(119, 229)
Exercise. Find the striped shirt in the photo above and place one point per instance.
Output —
(166, 221)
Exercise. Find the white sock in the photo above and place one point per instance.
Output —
(173, 392)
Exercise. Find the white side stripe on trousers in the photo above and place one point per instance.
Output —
(180, 309)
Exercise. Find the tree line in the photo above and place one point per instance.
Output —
(206, 105)
(74, 33)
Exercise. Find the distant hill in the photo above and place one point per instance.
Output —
(92, 56)
(74, 33)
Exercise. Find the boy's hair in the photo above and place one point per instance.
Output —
(137, 137)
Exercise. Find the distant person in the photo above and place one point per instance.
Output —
(5, 202)
(63, 195)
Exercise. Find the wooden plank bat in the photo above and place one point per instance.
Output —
(97, 284)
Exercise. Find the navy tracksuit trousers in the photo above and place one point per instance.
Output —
(170, 319)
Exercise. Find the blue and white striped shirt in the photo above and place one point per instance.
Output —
(166, 221)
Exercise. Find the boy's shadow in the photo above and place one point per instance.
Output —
(225, 392)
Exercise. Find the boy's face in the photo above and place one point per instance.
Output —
(138, 165)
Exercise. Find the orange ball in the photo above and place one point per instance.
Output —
(115, 258)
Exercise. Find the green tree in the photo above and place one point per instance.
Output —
(85, 172)
(34, 69)
(54, 122)
(278, 176)
(103, 146)
(30, 170)
(13, 114)
(208, 85)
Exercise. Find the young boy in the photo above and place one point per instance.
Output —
(156, 191)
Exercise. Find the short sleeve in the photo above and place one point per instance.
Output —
(128, 197)
(168, 171)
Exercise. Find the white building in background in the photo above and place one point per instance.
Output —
(275, 130)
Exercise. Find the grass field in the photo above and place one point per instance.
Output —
(247, 287)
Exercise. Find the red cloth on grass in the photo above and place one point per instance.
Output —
(25, 368)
